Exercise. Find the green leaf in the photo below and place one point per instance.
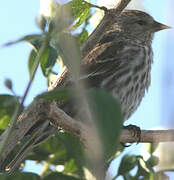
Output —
(70, 167)
(83, 36)
(61, 149)
(8, 83)
(8, 104)
(128, 162)
(44, 60)
(36, 42)
(38, 154)
(19, 176)
(54, 147)
(41, 22)
(80, 11)
(107, 113)
(153, 161)
(82, 18)
(56, 94)
(29, 38)
(32, 62)
(74, 152)
(149, 167)
(57, 176)
(141, 170)
(78, 6)
(48, 60)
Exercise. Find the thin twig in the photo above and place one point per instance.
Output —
(19, 107)
(98, 7)
(24, 150)
(29, 117)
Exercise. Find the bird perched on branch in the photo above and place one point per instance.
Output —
(121, 61)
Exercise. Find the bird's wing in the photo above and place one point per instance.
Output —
(107, 58)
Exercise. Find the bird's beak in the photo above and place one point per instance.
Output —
(158, 26)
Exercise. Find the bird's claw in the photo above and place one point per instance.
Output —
(135, 131)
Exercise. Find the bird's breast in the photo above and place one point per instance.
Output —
(131, 78)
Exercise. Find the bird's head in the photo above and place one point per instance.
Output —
(138, 25)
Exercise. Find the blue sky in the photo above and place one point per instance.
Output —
(18, 19)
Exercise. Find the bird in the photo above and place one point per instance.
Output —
(119, 63)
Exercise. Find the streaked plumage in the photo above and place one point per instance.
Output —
(126, 73)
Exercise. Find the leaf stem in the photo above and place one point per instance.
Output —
(98, 7)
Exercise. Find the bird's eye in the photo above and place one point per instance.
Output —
(141, 22)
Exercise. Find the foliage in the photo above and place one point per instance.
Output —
(7, 105)
(64, 149)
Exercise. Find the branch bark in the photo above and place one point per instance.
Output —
(80, 130)
(33, 114)
(108, 19)
(148, 136)
(42, 111)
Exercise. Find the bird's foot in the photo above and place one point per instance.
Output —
(135, 132)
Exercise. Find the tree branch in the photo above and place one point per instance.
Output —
(148, 136)
(108, 19)
(33, 114)
(80, 130)
(42, 111)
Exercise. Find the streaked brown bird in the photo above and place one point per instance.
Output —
(121, 61)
